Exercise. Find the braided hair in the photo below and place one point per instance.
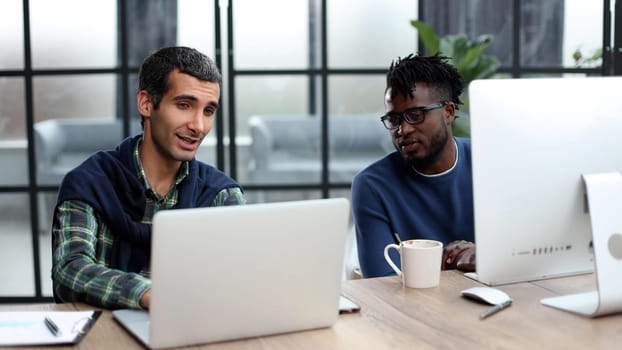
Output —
(434, 70)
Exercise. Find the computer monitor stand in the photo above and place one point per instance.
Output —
(604, 195)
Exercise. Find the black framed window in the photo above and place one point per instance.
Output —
(530, 37)
(67, 85)
(310, 73)
(307, 119)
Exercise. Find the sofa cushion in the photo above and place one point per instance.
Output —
(287, 148)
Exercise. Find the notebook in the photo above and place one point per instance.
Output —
(21, 328)
(225, 273)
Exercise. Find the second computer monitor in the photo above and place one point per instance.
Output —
(532, 139)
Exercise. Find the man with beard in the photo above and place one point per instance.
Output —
(101, 233)
(423, 190)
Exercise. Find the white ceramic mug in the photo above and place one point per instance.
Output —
(421, 262)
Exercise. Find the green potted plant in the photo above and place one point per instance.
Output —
(467, 56)
(593, 60)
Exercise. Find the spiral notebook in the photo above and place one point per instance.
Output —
(19, 328)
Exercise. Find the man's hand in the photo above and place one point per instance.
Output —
(459, 255)
(145, 299)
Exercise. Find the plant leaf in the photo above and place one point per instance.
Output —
(467, 56)
(428, 36)
(475, 51)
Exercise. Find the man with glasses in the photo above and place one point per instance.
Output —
(424, 189)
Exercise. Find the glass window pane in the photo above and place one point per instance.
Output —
(369, 33)
(73, 33)
(288, 94)
(357, 93)
(357, 138)
(552, 31)
(275, 123)
(12, 35)
(14, 160)
(12, 110)
(583, 31)
(340, 193)
(16, 261)
(13, 151)
(207, 150)
(266, 196)
(271, 34)
(355, 141)
(285, 148)
(47, 202)
(150, 25)
(195, 25)
(79, 96)
(75, 116)
(474, 18)
(62, 144)
(132, 88)
(542, 33)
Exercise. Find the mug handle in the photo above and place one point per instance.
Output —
(388, 258)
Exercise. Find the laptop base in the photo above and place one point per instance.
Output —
(135, 321)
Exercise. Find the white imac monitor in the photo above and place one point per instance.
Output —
(532, 140)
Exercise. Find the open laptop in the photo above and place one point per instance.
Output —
(224, 273)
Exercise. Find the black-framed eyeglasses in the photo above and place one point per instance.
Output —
(412, 116)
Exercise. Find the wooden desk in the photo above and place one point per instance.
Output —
(439, 319)
(394, 317)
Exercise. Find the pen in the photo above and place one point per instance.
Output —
(493, 310)
(51, 326)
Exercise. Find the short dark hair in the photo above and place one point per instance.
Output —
(434, 70)
(155, 70)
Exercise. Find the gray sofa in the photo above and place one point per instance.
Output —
(286, 149)
(62, 144)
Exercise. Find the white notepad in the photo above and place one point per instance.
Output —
(29, 328)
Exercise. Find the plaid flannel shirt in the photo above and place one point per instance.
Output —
(83, 245)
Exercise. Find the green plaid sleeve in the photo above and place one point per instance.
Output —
(80, 252)
(229, 196)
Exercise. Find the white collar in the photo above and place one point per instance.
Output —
(444, 172)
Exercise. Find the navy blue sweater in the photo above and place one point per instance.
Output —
(108, 182)
(390, 197)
